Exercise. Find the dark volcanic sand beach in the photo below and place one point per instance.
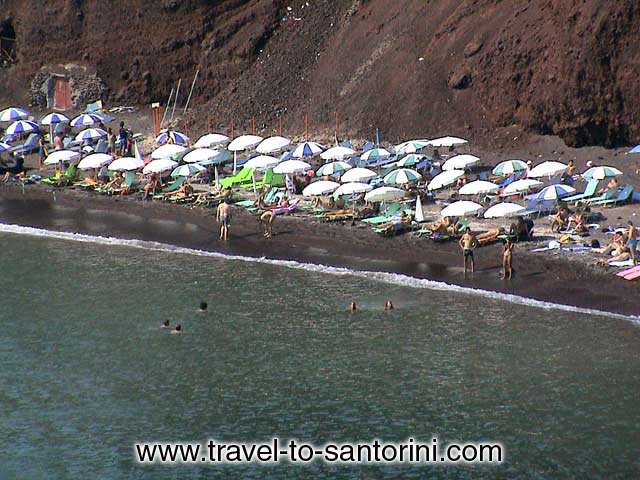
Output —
(544, 277)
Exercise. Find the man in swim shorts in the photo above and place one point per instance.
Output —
(224, 218)
(467, 243)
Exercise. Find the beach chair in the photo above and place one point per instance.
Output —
(293, 206)
(608, 195)
(102, 146)
(272, 179)
(388, 215)
(589, 191)
(538, 207)
(623, 196)
(29, 146)
(169, 189)
(128, 184)
(243, 177)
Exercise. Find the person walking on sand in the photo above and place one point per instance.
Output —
(267, 219)
(467, 243)
(507, 259)
(224, 218)
(632, 242)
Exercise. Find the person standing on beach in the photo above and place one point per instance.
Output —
(467, 243)
(632, 240)
(42, 151)
(223, 217)
(267, 219)
(507, 259)
(123, 136)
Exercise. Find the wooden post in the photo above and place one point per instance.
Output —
(306, 126)
(337, 123)
(232, 128)
(280, 126)
(253, 125)
(157, 119)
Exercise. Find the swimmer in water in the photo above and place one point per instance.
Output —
(388, 305)
(165, 324)
(352, 307)
(203, 307)
(177, 330)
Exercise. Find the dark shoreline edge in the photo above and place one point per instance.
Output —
(544, 277)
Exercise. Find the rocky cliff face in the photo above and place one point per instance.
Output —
(409, 67)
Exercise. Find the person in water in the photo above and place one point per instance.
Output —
(166, 324)
(388, 305)
(177, 330)
(203, 307)
(352, 307)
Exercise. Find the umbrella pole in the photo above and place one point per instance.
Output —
(253, 179)
(235, 159)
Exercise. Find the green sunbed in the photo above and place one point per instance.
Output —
(244, 176)
(385, 217)
(608, 195)
(171, 188)
(623, 196)
(589, 191)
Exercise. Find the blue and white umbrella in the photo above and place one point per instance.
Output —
(554, 192)
(90, 134)
(187, 170)
(307, 149)
(86, 120)
(333, 168)
(12, 114)
(53, 119)
(172, 136)
(21, 127)
(402, 176)
(635, 149)
(4, 147)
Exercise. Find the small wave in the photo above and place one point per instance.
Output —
(391, 278)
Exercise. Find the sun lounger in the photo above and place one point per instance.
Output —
(589, 191)
(270, 178)
(293, 206)
(623, 196)
(388, 215)
(608, 195)
(29, 146)
(69, 177)
(171, 188)
(128, 184)
(243, 177)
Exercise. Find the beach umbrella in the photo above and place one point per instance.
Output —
(375, 154)
(172, 136)
(4, 147)
(419, 215)
(410, 160)
(211, 140)
(200, 155)
(402, 176)
(358, 175)
(13, 114)
(307, 149)
(86, 120)
(54, 118)
(478, 187)
(384, 194)
(321, 187)
(460, 162)
(600, 173)
(411, 146)
(167, 151)
(352, 188)
(272, 145)
(95, 160)
(291, 167)
(62, 156)
(159, 166)
(509, 167)
(338, 153)
(447, 142)
(505, 209)
(554, 192)
(635, 149)
(21, 127)
(221, 156)
(126, 164)
(90, 134)
(520, 186)
(262, 162)
(547, 169)
(188, 170)
(462, 208)
(333, 168)
(244, 142)
(445, 179)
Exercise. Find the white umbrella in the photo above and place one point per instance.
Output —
(419, 216)
(352, 189)
(211, 139)
(262, 162)
(21, 127)
(90, 134)
(444, 179)
(505, 209)
(547, 169)
(291, 167)
(555, 192)
(601, 172)
(12, 114)
(358, 175)
(167, 151)
(54, 118)
(402, 176)
(95, 160)
(307, 149)
(272, 145)
(509, 167)
(460, 162)
(447, 141)
(200, 155)
(321, 187)
(187, 170)
(384, 194)
(126, 164)
(463, 208)
(478, 187)
(244, 142)
(159, 166)
(333, 168)
(337, 153)
(520, 186)
(62, 156)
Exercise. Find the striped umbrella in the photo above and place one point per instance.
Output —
(307, 149)
(333, 168)
(600, 173)
(54, 118)
(187, 170)
(86, 120)
(126, 164)
(90, 134)
(21, 126)
(4, 147)
(13, 114)
(402, 176)
(412, 146)
(375, 154)
(410, 160)
(176, 138)
(509, 167)
(460, 162)
(554, 192)
(95, 160)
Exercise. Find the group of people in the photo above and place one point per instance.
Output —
(624, 245)
(469, 242)
(388, 305)
(177, 330)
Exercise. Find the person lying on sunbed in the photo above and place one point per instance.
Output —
(616, 245)
(185, 190)
(444, 227)
(490, 235)
(611, 185)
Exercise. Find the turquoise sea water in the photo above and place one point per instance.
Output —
(86, 370)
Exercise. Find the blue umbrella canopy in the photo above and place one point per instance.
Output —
(86, 120)
(12, 114)
(54, 118)
(172, 136)
(22, 126)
